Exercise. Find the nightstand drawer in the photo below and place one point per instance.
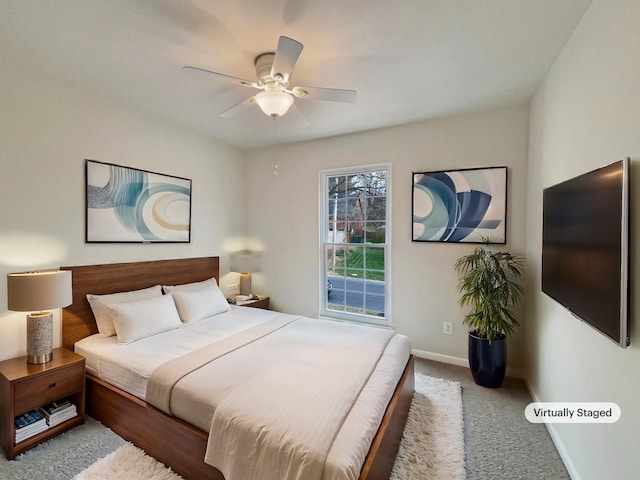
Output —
(39, 391)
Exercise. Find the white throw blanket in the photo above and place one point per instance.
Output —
(282, 423)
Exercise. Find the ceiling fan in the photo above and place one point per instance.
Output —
(273, 71)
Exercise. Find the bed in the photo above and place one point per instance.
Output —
(178, 443)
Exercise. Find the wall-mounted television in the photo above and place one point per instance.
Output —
(585, 241)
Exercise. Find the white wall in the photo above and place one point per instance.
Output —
(283, 217)
(47, 129)
(585, 115)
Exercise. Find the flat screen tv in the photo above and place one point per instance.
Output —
(585, 237)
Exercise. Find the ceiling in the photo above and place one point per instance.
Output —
(409, 60)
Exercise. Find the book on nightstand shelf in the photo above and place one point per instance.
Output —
(58, 412)
(29, 424)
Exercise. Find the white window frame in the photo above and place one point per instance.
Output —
(323, 242)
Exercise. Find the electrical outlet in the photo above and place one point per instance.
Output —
(447, 328)
(233, 288)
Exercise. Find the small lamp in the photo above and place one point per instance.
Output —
(39, 292)
(245, 263)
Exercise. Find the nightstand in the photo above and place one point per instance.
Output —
(25, 387)
(262, 302)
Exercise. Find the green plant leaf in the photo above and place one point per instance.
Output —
(488, 283)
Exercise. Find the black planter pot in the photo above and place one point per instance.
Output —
(488, 361)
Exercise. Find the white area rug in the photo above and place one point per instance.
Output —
(127, 463)
(432, 447)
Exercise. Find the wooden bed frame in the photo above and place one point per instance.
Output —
(174, 442)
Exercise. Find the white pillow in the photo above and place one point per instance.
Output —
(197, 305)
(99, 305)
(144, 318)
(189, 287)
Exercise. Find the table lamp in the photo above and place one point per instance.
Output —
(39, 292)
(245, 263)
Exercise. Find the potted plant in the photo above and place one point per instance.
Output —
(489, 285)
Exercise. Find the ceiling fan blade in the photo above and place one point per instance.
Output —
(331, 94)
(239, 108)
(285, 58)
(295, 118)
(207, 74)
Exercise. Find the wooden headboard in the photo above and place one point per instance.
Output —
(78, 321)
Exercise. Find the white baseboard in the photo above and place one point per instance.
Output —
(461, 362)
(562, 451)
(438, 357)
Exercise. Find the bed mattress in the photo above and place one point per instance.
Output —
(130, 366)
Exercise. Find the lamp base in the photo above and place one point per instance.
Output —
(39, 359)
(245, 283)
(39, 338)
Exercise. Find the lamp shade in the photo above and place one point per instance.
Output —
(244, 262)
(36, 291)
(274, 103)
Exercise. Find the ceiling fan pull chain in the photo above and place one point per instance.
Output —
(275, 145)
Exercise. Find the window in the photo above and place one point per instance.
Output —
(355, 231)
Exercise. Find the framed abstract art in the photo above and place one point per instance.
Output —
(460, 206)
(127, 205)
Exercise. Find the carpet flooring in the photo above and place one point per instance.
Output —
(500, 443)
(81, 447)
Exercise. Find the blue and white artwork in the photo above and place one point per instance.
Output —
(460, 205)
(130, 205)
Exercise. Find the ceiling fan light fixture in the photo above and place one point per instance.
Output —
(274, 103)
